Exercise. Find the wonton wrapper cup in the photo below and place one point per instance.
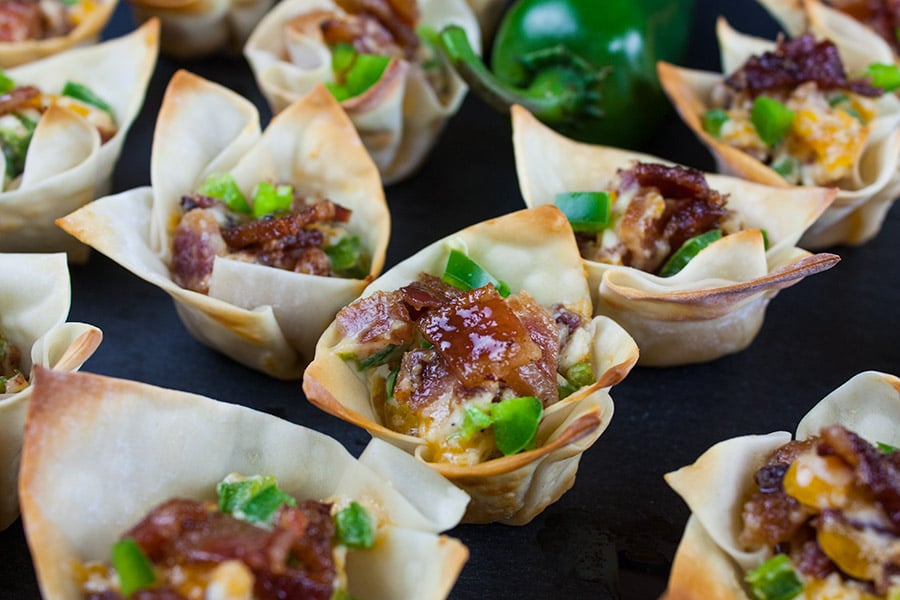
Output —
(716, 304)
(99, 454)
(709, 562)
(196, 28)
(399, 118)
(33, 311)
(66, 166)
(266, 318)
(530, 250)
(87, 31)
(859, 209)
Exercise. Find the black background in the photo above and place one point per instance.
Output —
(614, 533)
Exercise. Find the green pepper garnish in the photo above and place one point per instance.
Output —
(255, 499)
(474, 419)
(586, 211)
(516, 423)
(391, 382)
(269, 198)
(379, 358)
(6, 83)
(223, 187)
(464, 273)
(713, 119)
(765, 237)
(886, 448)
(347, 257)
(81, 92)
(775, 579)
(354, 72)
(134, 569)
(771, 119)
(354, 527)
(886, 77)
(581, 374)
(787, 166)
(688, 251)
(14, 141)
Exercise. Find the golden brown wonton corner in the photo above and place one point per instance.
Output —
(91, 468)
(530, 250)
(32, 317)
(710, 562)
(716, 304)
(266, 318)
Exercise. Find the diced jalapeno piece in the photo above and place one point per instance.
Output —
(79, 91)
(379, 358)
(788, 167)
(688, 251)
(713, 119)
(886, 77)
(775, 579)
(134, 569)
(475, 419)
(223, 187)
(516, 423)
(581, 374)
(269, 198)
(354, 72)
(771, 119)
(586, 211)
(6, 83)
(464, 273)
(255, 499)
(354, 527)
(885, 448)
(347, 258)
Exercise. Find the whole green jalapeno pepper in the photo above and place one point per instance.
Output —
(587, 68)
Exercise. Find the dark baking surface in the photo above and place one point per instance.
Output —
(614, 533)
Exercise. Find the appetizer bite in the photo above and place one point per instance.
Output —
(685, 261)
(813, 518)
(33, 333)
(63, 122)
(377, 59)
(805, 111)
(259, 237)
(479, 355)
(193, 29)
(263, 509)
(35, 29)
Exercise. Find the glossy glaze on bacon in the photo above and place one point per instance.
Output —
(774, 519)
(292, 559)
(796, 61)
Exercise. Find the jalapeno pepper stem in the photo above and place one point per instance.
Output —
(563, 86)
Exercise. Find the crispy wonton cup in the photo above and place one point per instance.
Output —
(87, 31)
(266, 318)
(399, 118)
(530, 250)
(33, 312)
(862, 202)
(709, 562)
(67, 166)
(197, 28)
(716, 304)
(92, 468)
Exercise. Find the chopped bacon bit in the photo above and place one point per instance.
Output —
(537, 378)
(20, 21)
(271, 228)
(191, 201)
(428, 292)
(376, 321)
(196, 244)
(424, 377)
(479, 336)
(13, 100)
(797, 61)
(399, 17)
(812, 561)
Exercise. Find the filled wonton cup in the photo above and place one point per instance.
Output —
(266, 318)
(710, 561)
(33, 312)
(67, 165)
(91, 20)
(716, 304)
(399, 117)
(863, 199)
(533, 251)
(91, 469)
(196, 28)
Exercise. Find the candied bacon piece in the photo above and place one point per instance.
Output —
(872, 468)
(424, 376)
(197, 241)
(15, 98)
(797, 61)
(191, 201)
(260, 230)
(479, 336)
(812, 561)
(376, 321)
(21, 20)
(771, 518)
(537, 378)
(397, 16)
(428, 292)
(671, 181)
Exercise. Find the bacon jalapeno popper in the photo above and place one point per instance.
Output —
(815, 518)
(63, 122)
(804, 111)
(34, 29)
(33, 333)
(262, 289)
(651, 247)
(92, 469)
(479, 355)
(378, 60)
